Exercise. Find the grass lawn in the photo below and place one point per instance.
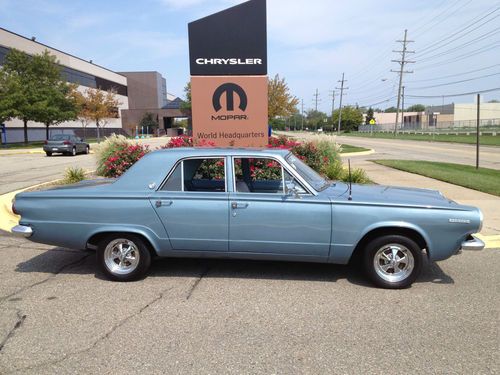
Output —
(486, 140)
(349, 148)
(484, 179)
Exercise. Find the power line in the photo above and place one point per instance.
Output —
(459, 31)
(452, 95)
(466, 44)
(454, 75)
(439, 17)
(454, 83)
(462, 57)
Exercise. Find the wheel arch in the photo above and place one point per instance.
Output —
(95, 238)
(390, 229)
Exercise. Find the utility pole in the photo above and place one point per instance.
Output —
(477, 128)
(403, 107)
(341, 88)
(332, 94)
(302, 117)
(401, 71)
(316, 96)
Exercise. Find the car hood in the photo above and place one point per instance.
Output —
(390, 195)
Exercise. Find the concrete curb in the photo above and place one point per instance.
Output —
(360, 153)
(26, 152)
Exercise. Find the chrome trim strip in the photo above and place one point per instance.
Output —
(475, 244)
(22, 231)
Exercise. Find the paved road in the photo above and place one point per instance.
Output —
(22, 170)
(198, 317)
(432, 151)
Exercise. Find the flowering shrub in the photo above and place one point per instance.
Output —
(122, 159)
(185, 141)
(107, 148)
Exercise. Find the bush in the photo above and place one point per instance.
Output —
(107, 148)
(123, 157)
(185, 141)
(336, 171)
(72, 175)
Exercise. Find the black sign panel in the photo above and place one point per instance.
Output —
(231, 42)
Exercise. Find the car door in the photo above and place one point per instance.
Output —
(193, 205)
(265, 220)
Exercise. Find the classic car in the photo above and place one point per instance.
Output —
(65, 144)
(248, 204)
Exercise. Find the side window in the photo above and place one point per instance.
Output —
(174, 182)
(204, 175)
(256, 175)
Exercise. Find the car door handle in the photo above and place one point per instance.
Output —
(236, 205)
(160, 203)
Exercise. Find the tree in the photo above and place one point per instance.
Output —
(148, 122)
(97, 106)
(352, 117)
(369, 116)
(494, 101)
(391, 110)
(32, 90)
(280, 102)
(416, 108)
(186, 106)
(316, 118)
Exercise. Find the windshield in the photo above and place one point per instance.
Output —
(307, 173)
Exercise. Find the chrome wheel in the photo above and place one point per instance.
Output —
(73, 152)
(393, 262)
(121, 256)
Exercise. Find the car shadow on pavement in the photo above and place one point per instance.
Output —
(63, 261)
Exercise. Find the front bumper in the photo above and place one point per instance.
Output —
(473, 243)
(22, 231)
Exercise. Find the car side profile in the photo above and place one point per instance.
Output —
(247, 204)
(65, 144)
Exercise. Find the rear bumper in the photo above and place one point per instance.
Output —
(65, 148)
(22, 231)
(473, 243)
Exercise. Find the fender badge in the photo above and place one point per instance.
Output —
(459, 221)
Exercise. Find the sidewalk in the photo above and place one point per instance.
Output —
(489, 204)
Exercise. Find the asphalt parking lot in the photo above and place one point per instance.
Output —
(57, 315)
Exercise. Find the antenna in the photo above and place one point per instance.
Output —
(350, 181)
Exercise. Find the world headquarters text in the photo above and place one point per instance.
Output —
(231, 135)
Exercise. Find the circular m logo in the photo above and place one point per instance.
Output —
(230, 90)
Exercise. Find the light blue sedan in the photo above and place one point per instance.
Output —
(247, 204)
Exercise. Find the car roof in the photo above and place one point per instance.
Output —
(219, 151)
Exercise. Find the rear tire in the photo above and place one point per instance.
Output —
(393, 261)
(87, 150)
(73, 151)
(48, 153)
(123, 257)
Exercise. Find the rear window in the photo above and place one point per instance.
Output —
(60, 137)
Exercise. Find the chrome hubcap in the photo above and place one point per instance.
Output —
(393, 262)
(121, 256)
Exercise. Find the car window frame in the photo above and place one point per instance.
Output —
(181, 161)
(297, 177)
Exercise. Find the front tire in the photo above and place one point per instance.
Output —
(393, 261)
(48, 153)
(87, 150)
(73, 151)
(123, 257)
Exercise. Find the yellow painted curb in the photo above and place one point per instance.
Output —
(492, 242)
(361, 153)
(8, 219)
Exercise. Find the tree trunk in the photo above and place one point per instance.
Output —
(47, 131)
(98, 132)
(25, 121)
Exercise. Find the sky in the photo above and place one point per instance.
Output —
(310, 43)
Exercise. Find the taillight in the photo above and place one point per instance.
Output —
(14, 208)
(67, 142)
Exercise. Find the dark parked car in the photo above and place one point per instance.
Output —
(65, 144)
